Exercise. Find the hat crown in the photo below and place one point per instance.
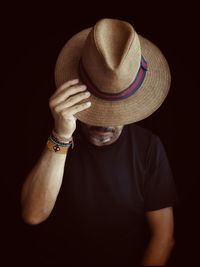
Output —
(113, 40)
(112, 55)
(90, 57)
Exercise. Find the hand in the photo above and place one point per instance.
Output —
(64, 104)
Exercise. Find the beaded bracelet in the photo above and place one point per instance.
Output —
(57, 146)
(62, 139)
(56, 141)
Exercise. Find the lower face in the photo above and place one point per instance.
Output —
(101, 136)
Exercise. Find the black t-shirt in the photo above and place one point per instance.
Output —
(99, 215)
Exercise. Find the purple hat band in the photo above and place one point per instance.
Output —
(130, 90)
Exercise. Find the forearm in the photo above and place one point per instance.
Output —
(42, 186)
(157, 252)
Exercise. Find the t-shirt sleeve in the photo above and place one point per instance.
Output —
(159, 186)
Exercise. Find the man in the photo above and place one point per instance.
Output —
(97, 201)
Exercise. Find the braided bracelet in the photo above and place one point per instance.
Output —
(63, 142)
(62, 139)
(57, 146)
(56, 141)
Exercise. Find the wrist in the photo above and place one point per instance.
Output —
(59, 145)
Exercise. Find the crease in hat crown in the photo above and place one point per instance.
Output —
(151, 92)
(112, 55)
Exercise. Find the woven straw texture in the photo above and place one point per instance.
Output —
(146, 100)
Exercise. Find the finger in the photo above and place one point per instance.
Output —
(67, 84)
(71, 101)
(63, 95)
(77, 108)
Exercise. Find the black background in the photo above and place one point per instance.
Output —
(31, 38)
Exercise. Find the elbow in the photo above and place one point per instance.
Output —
(33, 215)
(32, 219)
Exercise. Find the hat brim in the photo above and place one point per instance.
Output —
(146, 100)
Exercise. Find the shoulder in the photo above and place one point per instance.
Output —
(142, 134)
(142, 140)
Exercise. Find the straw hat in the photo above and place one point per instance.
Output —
(127, 75)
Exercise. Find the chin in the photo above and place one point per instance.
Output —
(98, 142)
